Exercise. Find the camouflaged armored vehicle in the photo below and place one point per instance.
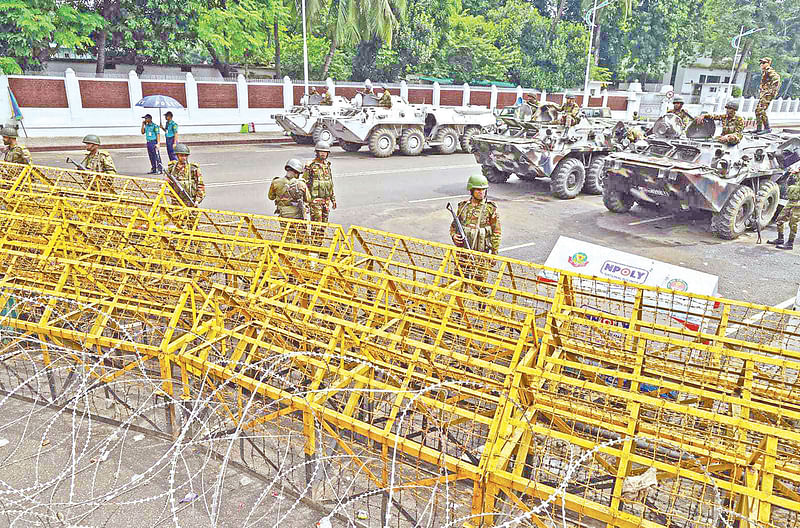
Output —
(304, 122)
(677, 171)
(531, 145)
(412, 128)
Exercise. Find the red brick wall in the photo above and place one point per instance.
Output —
(265, 96)
(451, 97)
(210, 95)
(39, 93)
(555, 98)
(175, 90)
(104, 94)
(595, 101)
(480, 97)
(346, 91)
(506, 99)
(618, 103)
(299, 90)
(420, 95)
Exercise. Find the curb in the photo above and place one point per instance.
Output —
(57, 148)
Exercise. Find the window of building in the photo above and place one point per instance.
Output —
(712, 89)
(702, 79)
(713, 78)
(727, 79)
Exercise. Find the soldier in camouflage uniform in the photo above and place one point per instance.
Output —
(732, 124)
(677, 109)
(570, 110)
(13, 151)
(790, 213)
(531, 100)
(481, 224)
(187, 175)
(386, 99)
(770, 84)
(291, 198)
(327, 100)
(100, 161)
(319, 181)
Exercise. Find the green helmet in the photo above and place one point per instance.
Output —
(91, 138)
(732, 104)
(322, 146)
(9, 132)
(477, 181)
(181, 148)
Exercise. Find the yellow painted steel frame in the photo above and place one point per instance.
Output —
(503, 394)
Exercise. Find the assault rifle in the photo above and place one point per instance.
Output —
(180, 191)
(77, 165)
(459, 227)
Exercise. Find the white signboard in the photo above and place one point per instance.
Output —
(590, 259)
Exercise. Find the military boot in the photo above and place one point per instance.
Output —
(778, 240)
(788, 245)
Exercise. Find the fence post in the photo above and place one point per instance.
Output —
(5, 100)
(192, 100)
(404, 90)
(493, 98)
(465, 95)
(604, 104)
(135, 94)
(519, 94)
(288, 93)
(792, 108)
(331, 86)
(437, 93)
(241, 94)
(634, 102)
(74, 94)
(543, 97)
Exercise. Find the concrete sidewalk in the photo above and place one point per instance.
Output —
(49, 144)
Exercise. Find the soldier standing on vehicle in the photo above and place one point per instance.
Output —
(677, 109)
(386, 99)
(13, 151)
(187, 175)
(732, 124)
(570, 111)
(790, 213)
(319, 181)
(770, 84)
(97, 160)
(481, 225)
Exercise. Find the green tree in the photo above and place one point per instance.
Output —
(292, 58)
(30, 30)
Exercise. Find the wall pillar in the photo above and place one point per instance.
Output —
(5, 100)
(519, 94)
(493, 98)
(465, 95)
(331, 86)
(404, 90)
(241, 94)
(288, 93)
(73, 94)
(543, 96)
(135, 95)
(437, 93)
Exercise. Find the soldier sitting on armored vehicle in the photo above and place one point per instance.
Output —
(570, 112)
(386, 99)
(327, 100)
(531, 100)
(367, 89)
(631, 133)
(677, 109)
(732, 124)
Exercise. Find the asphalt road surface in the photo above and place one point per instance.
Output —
(408, 196)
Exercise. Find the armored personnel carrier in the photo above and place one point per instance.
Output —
(412, 128)
(304, 122)
(676, 171)
(531, 145)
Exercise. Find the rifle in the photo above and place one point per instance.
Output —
(181, 192)
(77, 165)
(459, 227)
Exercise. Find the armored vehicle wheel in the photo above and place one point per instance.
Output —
(595, 176)
(350, 146)
(382, 143)
(567, 180)
(495, 175)
(448, 139)
(769, 193)
(617, 201)
(731, 221)
(322, 133)
(466, 139)
(412, 142)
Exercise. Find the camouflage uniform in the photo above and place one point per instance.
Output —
(684, 115)
(385, 100)
(99, 161)
(570, 111)
(732, 128)
(291, 196)
(189, 177)
(319, 181)
(18, 154)
(327, 100)
(481, 224)
(533, 103)
(770, 84)
(791, 211)
(634, 134)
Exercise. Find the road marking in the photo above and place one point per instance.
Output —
(437, 198)
(208, 164)
(135, 157)
(345, 175)
(516, 247)
(650, 220)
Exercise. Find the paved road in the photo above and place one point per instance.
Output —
(408, 196)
